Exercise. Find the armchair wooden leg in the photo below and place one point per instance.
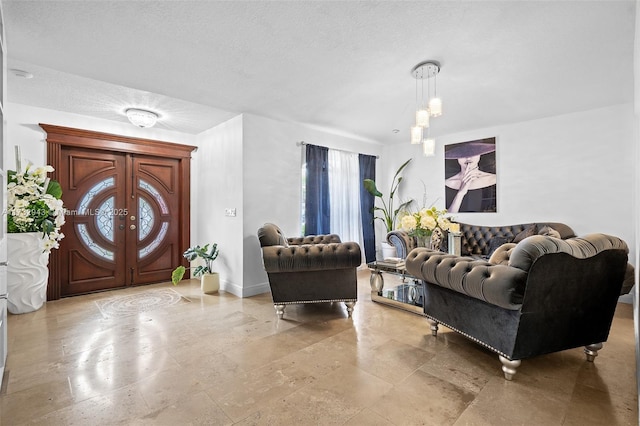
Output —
(350, 306)
(279, 310)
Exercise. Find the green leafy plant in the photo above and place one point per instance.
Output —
(191, 254)
(389, 214)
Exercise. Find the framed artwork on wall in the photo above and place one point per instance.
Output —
(470, 176)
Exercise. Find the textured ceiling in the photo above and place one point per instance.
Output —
(340, 65)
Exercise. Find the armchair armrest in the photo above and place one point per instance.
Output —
(402, 242)
(311, 257)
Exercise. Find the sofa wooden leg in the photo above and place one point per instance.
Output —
(434, 326)
(509, 366)
(279, 310)
(592, 351)
(350, 306)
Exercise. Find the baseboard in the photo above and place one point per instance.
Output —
(255, 289)
(245, 291)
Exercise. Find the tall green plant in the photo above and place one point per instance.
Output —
(389, 213)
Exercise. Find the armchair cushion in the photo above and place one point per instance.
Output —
(547, 230)
(495, 243)
(502, 254)
(528, 232)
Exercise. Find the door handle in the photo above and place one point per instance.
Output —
(132, 227)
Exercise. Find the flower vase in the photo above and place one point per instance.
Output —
(27, 272)
(436, 239)
(424, 241)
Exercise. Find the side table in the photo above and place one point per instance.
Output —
(408, 295)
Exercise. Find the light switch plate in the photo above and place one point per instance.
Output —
(230, 212)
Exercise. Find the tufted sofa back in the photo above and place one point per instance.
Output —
(476, 239)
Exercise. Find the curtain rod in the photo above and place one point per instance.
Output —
(303, 143)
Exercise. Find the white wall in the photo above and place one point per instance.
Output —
(23, 130)
(216, 184)
(578, 168)
(249, 163)
(271, 183)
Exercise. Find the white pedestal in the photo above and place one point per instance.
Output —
(27, 272)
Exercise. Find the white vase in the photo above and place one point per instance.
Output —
(27, 272)
(210, 283)
(387, 250)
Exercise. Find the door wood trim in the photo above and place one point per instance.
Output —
(58, 136)
(69, 136)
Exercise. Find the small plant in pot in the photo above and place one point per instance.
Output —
(209, 280)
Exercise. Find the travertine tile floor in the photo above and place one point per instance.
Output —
(222, 360)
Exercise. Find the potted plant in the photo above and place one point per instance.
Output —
(209, 280)
(35, 214)
(389, 214)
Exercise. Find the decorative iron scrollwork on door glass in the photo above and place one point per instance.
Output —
(103, 216)
(148, 219)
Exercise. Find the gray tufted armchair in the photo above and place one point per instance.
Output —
(312, 269)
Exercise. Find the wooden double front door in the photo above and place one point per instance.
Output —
(124, 218)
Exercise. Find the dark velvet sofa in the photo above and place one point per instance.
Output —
(548, 294)
(311, 269)
(479, 241)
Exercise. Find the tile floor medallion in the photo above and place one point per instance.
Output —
(133, 304)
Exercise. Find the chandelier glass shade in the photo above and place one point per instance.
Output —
(429, 147)
(416, 135)
(435, 107)
(422, 117)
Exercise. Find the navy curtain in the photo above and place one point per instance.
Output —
(316, 209)
(367, 201)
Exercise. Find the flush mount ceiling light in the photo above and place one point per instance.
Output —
(141, 117)
(429, 106)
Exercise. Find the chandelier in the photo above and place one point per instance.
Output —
(426, 107)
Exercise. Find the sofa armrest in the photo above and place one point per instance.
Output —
(311, 257)
(402, 242)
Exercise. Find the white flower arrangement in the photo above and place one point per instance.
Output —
(34, 205)
(423, 223)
